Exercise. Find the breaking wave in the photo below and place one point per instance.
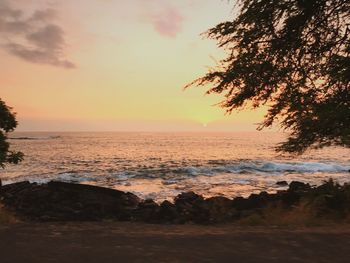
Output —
(261, 167)
(288, 167)
(250, 168)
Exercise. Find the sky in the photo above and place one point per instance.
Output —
(113, 65)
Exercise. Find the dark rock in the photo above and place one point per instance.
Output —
(296, 186)
(148, 204)
(239, 203)
(66, 201)
(282, 183)
(290, 198)
(146, 211)
(264, 195)
(219, 209)
(254, 201)
(168, 212)
(219, 202)
(16, 187)
(188, 206)
(188, 198)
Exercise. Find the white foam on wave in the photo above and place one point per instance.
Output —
(265, 167)
(251, 168)
(70, 177)
(190, 170)
(76, 177)
(284, 167)
(31, 179)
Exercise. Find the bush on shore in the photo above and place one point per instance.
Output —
(326, 204)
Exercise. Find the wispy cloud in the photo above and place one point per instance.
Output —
(166, 19)
(33, 38)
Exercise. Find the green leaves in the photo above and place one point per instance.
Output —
(293, 55)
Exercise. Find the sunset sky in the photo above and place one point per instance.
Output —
(112, 65)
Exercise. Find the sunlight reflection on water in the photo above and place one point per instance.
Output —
(161, 165)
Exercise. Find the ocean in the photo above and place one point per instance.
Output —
(162, 165)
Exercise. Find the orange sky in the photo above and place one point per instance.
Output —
(110, 65)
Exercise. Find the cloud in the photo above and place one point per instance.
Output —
(34, 38)
(166, 20)
(36, 55)
(44, 15)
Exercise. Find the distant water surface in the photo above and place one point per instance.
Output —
(162, 165)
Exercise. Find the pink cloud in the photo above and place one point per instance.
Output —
(167, 21)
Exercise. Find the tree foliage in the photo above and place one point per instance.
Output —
(7, 124)
(293, 57)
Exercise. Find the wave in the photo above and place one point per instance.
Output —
(246, 167)
(263, 167)
(69, 177)
(288, 167)
(243, 167)
(250, 168)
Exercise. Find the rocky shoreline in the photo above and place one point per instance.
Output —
(59, 201)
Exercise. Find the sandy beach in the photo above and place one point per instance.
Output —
(137, 242)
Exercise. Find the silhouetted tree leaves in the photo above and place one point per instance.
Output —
(293, 56)
(7, 124)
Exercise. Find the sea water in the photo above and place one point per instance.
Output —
(162, 165)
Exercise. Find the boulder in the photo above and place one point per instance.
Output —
(296, 186)
(66, 201)
(282, 183)
(219, 209)
(168, 213)
(254, 201)
(187, 198)
(188, 206)
(146, 211)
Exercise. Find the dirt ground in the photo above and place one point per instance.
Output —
(132, 242)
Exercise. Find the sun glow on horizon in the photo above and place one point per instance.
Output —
(124, 68)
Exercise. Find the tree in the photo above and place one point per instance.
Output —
(293, 57)
(7, 124)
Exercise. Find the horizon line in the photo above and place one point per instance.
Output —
(148, 131)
